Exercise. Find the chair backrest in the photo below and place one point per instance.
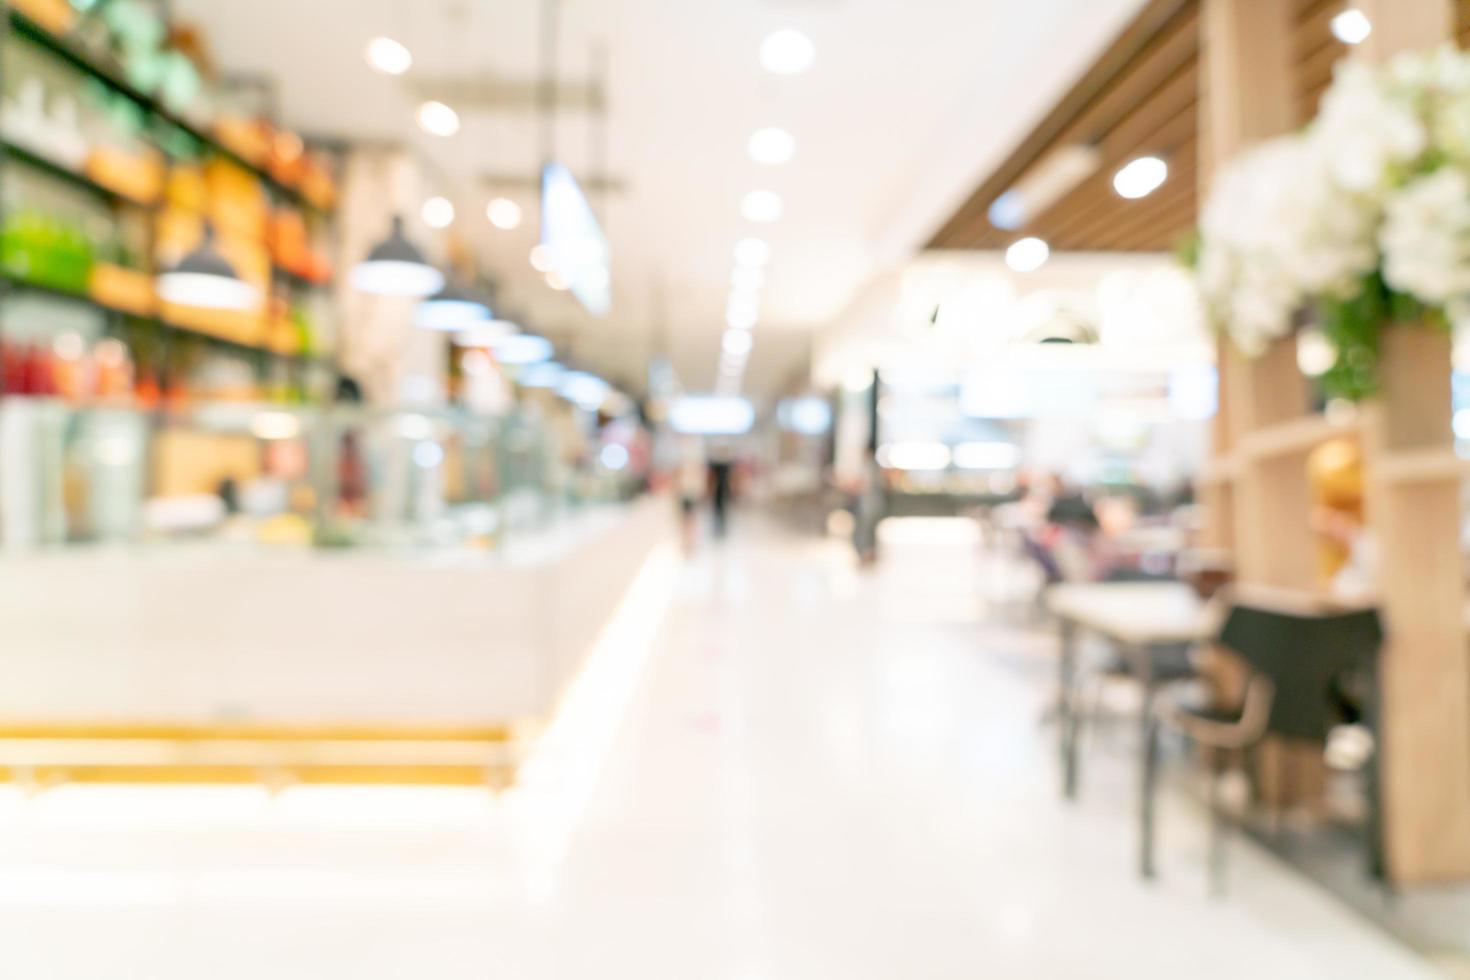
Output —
(1043, 557)
(1310, 659)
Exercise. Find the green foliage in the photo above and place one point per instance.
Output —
(1355, 326)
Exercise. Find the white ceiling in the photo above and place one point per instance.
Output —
(909, 104)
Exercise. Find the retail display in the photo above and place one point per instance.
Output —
(118, 152)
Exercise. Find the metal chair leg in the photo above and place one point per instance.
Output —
(1217, 825)
(1150, 734)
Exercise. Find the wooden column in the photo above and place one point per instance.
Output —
(1247, 90)
(1414, 505)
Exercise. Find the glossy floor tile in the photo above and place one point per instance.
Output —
(777, 767)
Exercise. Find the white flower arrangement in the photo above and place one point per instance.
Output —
(1365, 214)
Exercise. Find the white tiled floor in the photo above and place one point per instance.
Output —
(821, 773)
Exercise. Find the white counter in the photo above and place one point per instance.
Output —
(208, 635)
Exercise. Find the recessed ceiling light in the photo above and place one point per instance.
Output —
(737, 343)
(543, 259)
(504, 213)
(771, 146)
(787, 52)
(388, 56)
(438, 212)
(762, 207)
(1140, 177)
(438, 119)
(752, 253)
(1352, 26)
(747, 278)
(741, 319)
(744, 299)
(1027, 255)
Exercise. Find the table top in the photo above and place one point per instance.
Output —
(1140, 613)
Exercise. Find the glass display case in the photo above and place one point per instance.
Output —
(332, 476)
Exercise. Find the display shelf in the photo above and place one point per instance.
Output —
(113, 77)
(78, 180)
(1221, 469)
(21, 285)
(1431, 465)
(1296, 437)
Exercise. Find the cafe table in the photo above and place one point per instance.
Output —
(1143, 620)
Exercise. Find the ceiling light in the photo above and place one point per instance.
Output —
(206, 279)
(547, 374)
(395, 267)
(388, 56)
(438, 119)
(747, 278)
(1352, 26)
(771, 146)
(741, 319)
(485, 333)
(1052, 178)
(504, 214)
(522, 348)
(1027, 255)
(543, 259)
(924, 456)
(737, 343)
(438, 212)
(762, 207)
(1141, 177)
(787, 52)
(452, 308)
(752, 252)
(588, 391)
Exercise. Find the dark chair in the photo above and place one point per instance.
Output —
(1307, 673)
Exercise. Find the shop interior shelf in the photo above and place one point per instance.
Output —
(84, 61)
(1296, 437)
(22, 285)
(72, 177)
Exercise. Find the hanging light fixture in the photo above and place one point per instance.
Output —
(395, 267)
(205, 278)
(451, 308)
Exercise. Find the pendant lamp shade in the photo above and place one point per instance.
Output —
(451, 308)
(395, 267)
(205, 278)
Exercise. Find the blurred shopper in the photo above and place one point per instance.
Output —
(691, 481)
(721, 489)
(867, 510)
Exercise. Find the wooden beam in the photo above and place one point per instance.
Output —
(1094, 85)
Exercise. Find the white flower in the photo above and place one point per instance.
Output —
(1275, 232)
(1365, 129)
(1426, 237)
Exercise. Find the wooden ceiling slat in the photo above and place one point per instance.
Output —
(1131, 134)
(1100, 208)
(1142, 133)
(1093, 86)
(1143, 96)
(1162, 206)
(1174, 138)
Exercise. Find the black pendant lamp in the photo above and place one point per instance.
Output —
(205, 278)
(395, 267)
(452, 308)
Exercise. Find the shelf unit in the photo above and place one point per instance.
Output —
(94, 65)
(1258, 489)
(100, 67)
